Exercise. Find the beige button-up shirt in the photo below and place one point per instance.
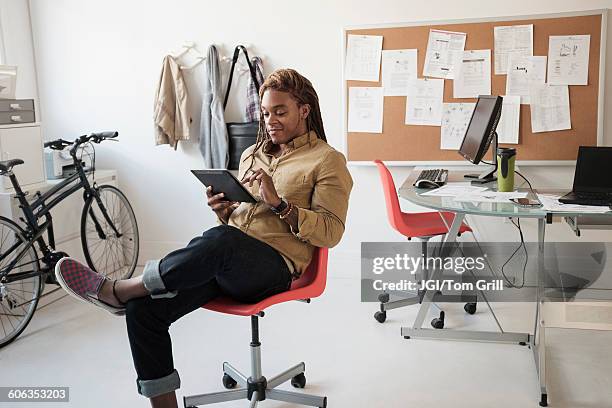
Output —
(313, 176)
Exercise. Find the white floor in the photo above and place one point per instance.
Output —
(349, 357)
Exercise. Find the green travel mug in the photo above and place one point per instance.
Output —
(505, 168)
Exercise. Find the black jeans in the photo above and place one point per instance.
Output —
(223, 261)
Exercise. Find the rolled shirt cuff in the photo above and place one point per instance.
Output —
(152, 281)
(159, 386)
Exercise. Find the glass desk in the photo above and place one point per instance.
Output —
(461, 208)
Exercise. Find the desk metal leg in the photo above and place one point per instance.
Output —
(538, 342)
(417, 330)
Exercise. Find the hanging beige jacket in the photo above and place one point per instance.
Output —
(170, 116)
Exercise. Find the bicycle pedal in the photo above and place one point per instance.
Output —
(50, 279)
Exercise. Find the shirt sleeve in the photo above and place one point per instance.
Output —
(323, 224)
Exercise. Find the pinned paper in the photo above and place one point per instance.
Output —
(508, 125)
(550, 109)
(473, 74)
(424, 102)
(398, 68)
(365, 109)
(523, 72)
(511, 40)
(443, 49)
(455, 120)
(568, 59)
(363, 54)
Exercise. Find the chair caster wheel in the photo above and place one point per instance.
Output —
(299, 381)
(438, 322)
(229, 382)
(380, 316)
(383, 297)
(470, 308)
(544, 400)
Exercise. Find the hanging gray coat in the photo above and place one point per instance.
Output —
(213, 132)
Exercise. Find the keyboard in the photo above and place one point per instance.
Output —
(432, 178)
(595, 198)
(587, 198)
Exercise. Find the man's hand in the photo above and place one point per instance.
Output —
(223, 208)
(266, 186)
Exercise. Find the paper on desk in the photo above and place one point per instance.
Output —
(550, 109)
(365, 109)
(491, 196)
(508, 125)
(523, 72)
(363, 57)
(424, 102)
(472, 74)
(443, 47)
(517, 39)
(568, 59)
(398, 67)
(455, 120)
(454, 189)
(550, 202)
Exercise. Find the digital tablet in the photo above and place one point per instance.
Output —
(222, 181)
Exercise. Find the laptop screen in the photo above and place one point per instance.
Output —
(593, 169)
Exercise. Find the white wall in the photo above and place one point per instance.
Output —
(99, 62)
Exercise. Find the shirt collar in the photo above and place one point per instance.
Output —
(309, 138)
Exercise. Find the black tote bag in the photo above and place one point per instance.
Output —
(240, 134)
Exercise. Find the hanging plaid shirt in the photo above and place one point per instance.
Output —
(252, 108)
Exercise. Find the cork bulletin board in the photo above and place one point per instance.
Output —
(410, 144)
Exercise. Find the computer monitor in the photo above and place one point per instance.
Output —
(480, 134)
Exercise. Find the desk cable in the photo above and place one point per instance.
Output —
(521, 245)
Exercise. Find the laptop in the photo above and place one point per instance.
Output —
(593, 177)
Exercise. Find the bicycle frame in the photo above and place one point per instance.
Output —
(39, 208)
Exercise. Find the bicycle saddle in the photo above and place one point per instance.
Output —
(7, 165)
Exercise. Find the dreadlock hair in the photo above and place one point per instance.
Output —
(300, 89)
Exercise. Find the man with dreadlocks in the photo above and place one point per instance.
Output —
(302, 185)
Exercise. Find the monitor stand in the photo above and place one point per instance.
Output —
(490, 174)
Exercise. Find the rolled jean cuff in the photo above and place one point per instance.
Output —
(152, 281)
(159, 386)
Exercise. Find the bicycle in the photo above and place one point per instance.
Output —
(109, 236)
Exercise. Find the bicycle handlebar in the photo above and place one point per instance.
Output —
(98, 137)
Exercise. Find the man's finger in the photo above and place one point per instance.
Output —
(220, 206)
(216, 197)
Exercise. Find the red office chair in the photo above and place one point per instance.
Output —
(413, 225)
(257, 388)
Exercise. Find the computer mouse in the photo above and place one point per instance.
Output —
(425, 184)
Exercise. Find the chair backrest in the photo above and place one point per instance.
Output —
(315, 276)
(394, 212)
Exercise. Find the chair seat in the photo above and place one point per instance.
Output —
(428, 224)
(224, 304)
(310, 285)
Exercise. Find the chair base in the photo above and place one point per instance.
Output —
(256, 387)
(258, 390)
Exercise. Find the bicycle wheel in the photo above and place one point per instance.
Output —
(110, 251)
(18, 296)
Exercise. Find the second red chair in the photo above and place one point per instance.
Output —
(423, 226)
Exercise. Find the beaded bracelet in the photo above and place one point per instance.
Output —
(288, 212)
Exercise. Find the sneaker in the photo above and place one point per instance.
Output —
(83, 283)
